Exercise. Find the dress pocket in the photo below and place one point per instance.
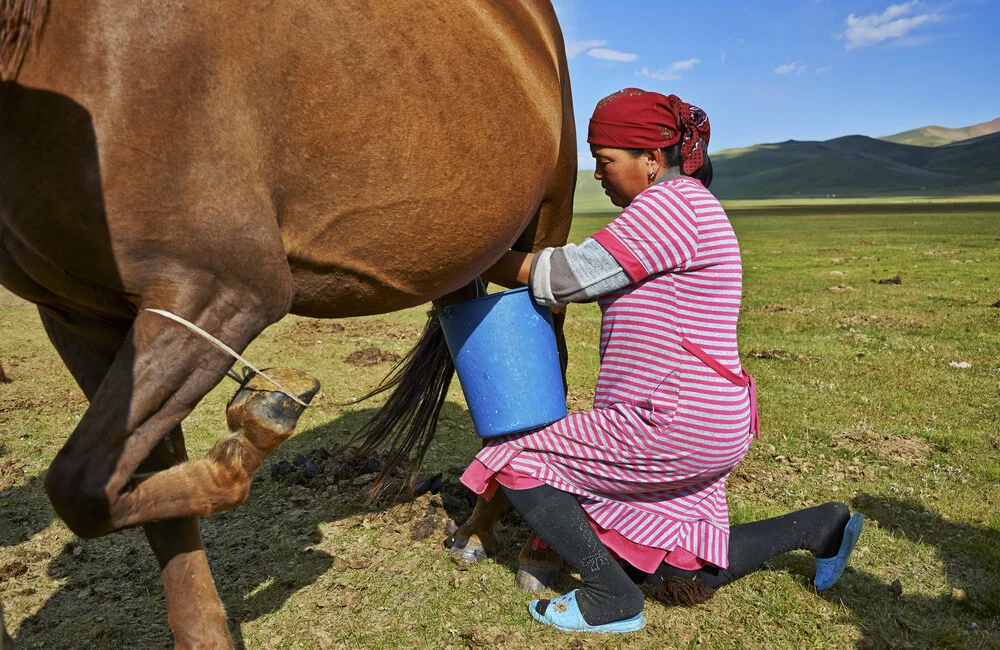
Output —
(664, 398)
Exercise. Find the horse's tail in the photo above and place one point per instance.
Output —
(409, 417)
(20, 24)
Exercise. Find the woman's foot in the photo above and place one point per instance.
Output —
(564, 614)
(829, 569)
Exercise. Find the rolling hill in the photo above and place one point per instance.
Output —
(935, 136)
(851, 166)
(858, 166)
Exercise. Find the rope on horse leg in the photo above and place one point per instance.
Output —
(197, 330)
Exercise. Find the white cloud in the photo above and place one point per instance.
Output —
(893, 23)
(722, 57)
(604, 54)
(672, 72)
(684, 65)
(789, 68)
(822, 70)
(576, 47)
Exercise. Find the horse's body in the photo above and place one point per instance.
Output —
(233, 163)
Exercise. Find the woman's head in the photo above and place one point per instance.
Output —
(636, 135)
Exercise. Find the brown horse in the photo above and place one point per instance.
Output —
(231, 164)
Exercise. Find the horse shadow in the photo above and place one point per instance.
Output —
(261, 553)
(26, 511)
(896, 614)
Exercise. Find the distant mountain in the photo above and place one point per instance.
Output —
(851, 166)
(857, 165)
(935, 136)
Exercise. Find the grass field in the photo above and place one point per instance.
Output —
(860, 402)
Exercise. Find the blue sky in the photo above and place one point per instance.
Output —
(791, 69)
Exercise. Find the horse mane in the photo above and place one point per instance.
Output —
(21, 24)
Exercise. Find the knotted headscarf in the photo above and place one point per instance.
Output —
(637, 119)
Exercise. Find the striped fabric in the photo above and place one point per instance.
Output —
(651, 460)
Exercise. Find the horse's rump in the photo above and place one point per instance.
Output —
(398, 147)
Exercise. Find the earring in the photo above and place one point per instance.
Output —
(652, 174)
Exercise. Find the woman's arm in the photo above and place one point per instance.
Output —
(574, 273)
(511, 271)
(562, 275)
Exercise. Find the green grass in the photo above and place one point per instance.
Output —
(858, 402)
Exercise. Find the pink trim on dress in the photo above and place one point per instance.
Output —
(645, 558)
(479, 475)
(629, 262)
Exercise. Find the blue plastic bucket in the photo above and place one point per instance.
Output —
(504, 349)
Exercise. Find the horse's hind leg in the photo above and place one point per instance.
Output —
(193, 606)
(537, 568)
(194, 611)
(476, 539)
(160, 374)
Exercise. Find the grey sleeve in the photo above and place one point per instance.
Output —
(574, 273)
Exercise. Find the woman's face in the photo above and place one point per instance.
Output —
(622, 175)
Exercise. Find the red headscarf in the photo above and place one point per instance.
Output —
(637, 119)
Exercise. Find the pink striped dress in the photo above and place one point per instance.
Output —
(649, 463)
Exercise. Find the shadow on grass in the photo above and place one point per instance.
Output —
(261, 554)
(26, 511)
(966, 617)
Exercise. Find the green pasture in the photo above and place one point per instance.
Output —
(875, 340)
(590, 195)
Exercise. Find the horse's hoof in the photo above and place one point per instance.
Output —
(265, 405)
(467, 550)
(535, 578)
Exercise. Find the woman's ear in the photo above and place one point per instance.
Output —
(655, 162)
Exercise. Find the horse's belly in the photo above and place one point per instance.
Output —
(381, 257)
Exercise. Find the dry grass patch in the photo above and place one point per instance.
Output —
(907, 450)
(772, 308)
(779, 354)
(857, 320)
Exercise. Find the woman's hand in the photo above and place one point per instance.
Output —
(512, 270)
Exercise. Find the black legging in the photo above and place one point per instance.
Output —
(819, 529)
(609, 592)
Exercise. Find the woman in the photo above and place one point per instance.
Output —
(643, 475)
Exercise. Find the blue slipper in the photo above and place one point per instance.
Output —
(828, 570)
(563, 613)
